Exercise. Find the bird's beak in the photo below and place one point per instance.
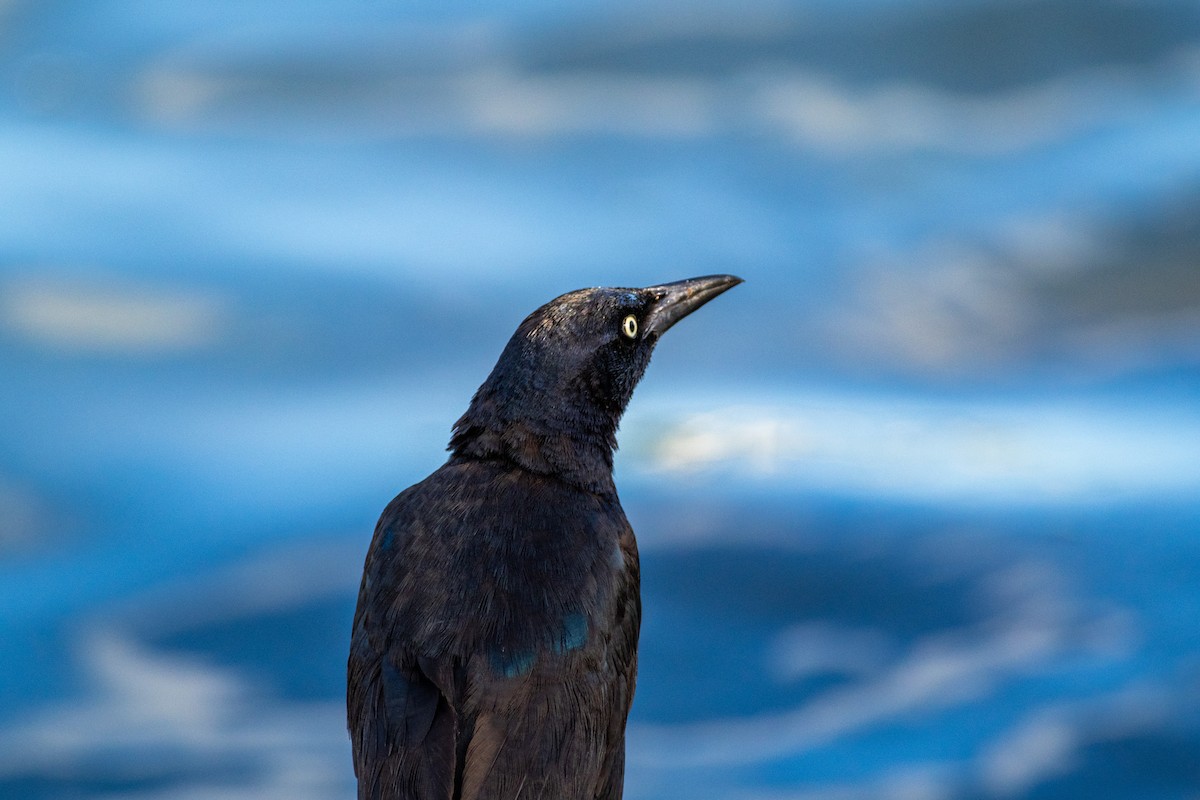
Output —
(676, 300)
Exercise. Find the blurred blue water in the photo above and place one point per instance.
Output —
(917, 503)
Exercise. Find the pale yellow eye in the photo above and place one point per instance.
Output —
(629, 326)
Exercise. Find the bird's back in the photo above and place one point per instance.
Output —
(494, 644)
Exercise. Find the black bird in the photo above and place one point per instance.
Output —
(494, 647)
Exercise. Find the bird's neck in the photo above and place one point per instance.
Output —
(573, 446)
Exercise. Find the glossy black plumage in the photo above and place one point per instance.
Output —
(494, 648)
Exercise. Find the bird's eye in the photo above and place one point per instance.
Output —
(629, 326)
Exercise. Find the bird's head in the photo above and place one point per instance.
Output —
(555, 397)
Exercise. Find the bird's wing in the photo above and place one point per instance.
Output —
(402, 725)
(622, 650)
(402, 706)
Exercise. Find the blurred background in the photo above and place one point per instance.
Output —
(918, 504)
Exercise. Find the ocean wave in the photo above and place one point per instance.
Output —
(1015, 453)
